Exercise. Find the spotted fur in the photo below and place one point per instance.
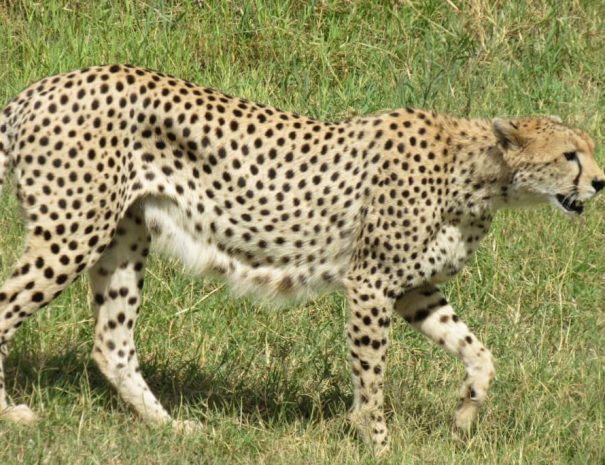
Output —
(111, 159)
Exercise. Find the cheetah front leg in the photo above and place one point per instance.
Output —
(367, 335)
(117, 282)
(428, 311)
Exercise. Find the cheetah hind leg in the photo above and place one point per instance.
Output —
(39, 277)
(18, 414)
(117, 282)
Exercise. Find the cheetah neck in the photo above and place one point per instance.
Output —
(479, 178)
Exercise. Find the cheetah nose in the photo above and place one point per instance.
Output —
(598, 184)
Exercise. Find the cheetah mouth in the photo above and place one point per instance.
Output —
(570, 205)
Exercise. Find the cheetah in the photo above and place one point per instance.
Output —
(110, 159)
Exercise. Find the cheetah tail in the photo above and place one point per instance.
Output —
(4, 149)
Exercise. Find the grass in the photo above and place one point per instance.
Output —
(272, 385)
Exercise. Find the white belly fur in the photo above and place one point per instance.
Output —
(172, 234)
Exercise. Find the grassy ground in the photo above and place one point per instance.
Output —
(272, 386)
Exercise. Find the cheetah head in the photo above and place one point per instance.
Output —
(549, 162)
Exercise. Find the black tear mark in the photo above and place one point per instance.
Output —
(576, 181)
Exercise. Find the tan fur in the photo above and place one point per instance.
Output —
(110, 160)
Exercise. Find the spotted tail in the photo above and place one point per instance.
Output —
(4, 149)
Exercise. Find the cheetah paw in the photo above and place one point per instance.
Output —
(465, 415)
(19, 414)
(186, 426)
(381, 451)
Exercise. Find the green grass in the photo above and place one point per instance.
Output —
(272, 385)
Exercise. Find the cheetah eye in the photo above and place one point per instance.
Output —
(571, 156)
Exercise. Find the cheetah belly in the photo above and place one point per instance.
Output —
(174, 234)
(452, 248)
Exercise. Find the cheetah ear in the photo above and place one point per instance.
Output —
(555, 118)
(586, 138)
(508, 133)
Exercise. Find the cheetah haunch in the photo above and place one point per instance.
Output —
(110, 159)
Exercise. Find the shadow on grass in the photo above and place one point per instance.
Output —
(268, 398)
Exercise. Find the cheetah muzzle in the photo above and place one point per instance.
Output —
(110, 160)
